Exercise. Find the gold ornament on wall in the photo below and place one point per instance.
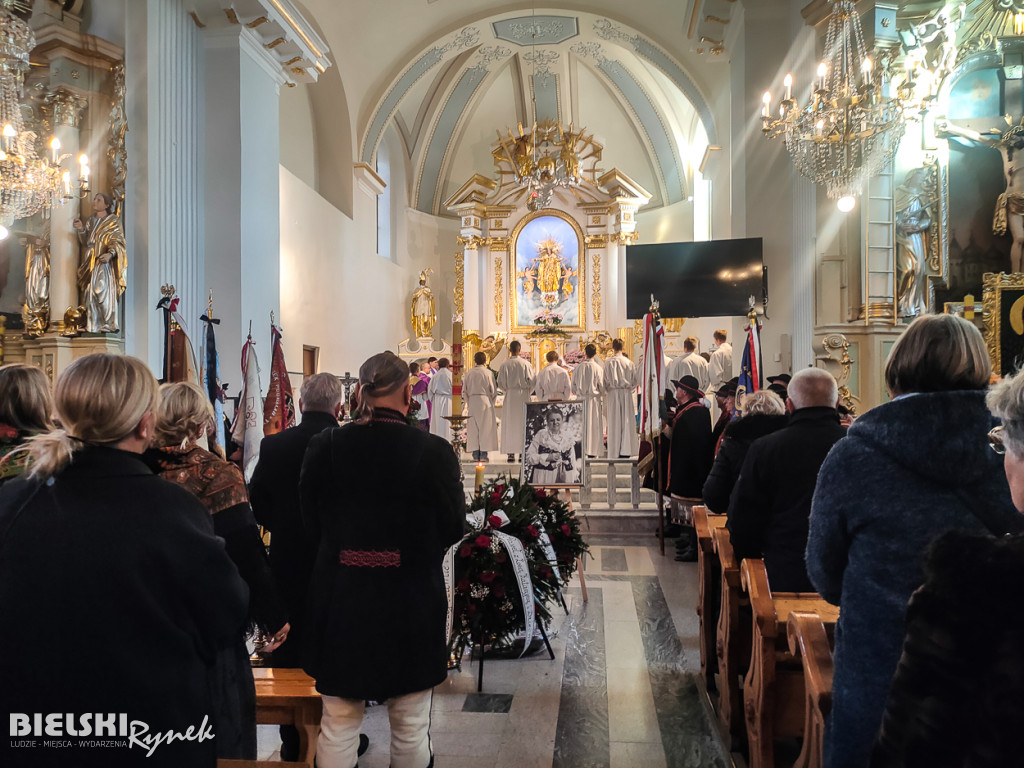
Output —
(497, 288)
(117, 150)
(595, 298)
(460, 283)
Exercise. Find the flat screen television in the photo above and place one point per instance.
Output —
(714, 278)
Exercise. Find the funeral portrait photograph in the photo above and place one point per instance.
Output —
(554, 443)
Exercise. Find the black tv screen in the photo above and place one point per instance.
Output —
(715, 278)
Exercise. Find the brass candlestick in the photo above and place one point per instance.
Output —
(458, 434)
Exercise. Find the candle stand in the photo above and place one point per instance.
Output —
(458, 434)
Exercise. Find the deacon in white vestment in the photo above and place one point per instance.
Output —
(553, 382)
(587, 384)
(439, 392)
(479, 392)
(720, 365)
(516, 379)
(621, 377)
(690, 364)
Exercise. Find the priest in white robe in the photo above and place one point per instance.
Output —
(587, 384)
(516, 378)
(439, 393)
(690, 364)
(553, 380)
(479, 392)
(621, 377)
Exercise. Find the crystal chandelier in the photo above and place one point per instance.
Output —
(28, 182)
(848, 131)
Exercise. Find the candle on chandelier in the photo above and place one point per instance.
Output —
(865, 67)
(66, 179)
(766, 102)
(9, 134)
(788, 82)
(83, 161)
(55, 149)
(822, 71)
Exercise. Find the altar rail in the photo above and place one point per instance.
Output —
(615, 468)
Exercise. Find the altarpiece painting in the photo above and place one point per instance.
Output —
(547, 267)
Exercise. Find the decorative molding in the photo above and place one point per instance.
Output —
(498, 274)
(498, 243)
(536, 30)
(117, 150)
(369, 180)
(471, 242)
(460, 283)
(596, 241)
(626, 238)
(67, 107)
(991, 313)
(595, 296)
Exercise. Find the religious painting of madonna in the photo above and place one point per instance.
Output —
(547, 269)
(554, 444)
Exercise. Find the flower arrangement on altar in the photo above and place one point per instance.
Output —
(547, 323)
(521, 546)
(574, 358)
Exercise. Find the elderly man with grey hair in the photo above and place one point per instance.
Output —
(771, 503)
(274, 494)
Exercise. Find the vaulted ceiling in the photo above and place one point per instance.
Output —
(444, 75)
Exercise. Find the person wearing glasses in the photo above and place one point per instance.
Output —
(907, 472)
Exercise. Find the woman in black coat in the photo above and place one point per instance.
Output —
(385, 501)
(115, 594)
(763, 413)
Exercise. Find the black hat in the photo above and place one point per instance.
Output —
(779, 389)
(728, 389)
(689, 384)
(785, 378)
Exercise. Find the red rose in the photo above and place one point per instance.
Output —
(499, 489)
(495, 498)
(498, 590)
(532, 531)
(494, 521)
(463, 585)
(465, 550)
(540, 493)
(566, 529)
(487, 576)
(483, 541)
(545, 572)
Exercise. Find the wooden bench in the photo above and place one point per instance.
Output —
(732, 648)
(773, 690)
(809, 639)
(708, 590)
(285, 697)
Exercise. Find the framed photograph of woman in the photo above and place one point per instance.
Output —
(554, 455)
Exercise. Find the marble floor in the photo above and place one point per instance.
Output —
(622, 690)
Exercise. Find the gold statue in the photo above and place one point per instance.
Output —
(570, 160)
(603, 341)
(422, 308)
(103, 269)
(490, 346)
(522, 155)
(550, 266)
(36, 311)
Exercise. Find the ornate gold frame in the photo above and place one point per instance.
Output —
(581, 289)
(991, 311)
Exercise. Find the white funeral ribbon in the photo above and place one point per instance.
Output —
(549, 551)
(520, 567)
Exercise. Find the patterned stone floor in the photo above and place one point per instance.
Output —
(621, 691)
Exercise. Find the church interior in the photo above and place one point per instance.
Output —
(318, 181)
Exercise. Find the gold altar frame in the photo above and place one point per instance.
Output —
(581, 289)
(997, 287)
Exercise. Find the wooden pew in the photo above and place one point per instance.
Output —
(732, 648)
(708, 590)
(773, 690)
(809, 639)
(286, 697)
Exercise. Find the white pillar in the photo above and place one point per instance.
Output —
(64, 244)
(242, 185)
(164, 193)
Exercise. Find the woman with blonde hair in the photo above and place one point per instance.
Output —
(115, 593)
(908, 471)
(26, 409)
(183, 417)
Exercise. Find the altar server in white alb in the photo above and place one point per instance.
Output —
(516, 379)
(720, 365)
(691, 364)
(621, 378)
(553, 380)
(587, 385)
(479, 392)
(439, 393)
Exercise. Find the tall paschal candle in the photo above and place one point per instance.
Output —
(457, 368)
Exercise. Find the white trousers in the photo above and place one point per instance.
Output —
(409, 716)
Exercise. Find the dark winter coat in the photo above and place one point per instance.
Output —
(690, 450)
(726, 469)
(956, 697)
(274, 494)
(771, 502)
(116, 597)
(385, 501)
(907, 472)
